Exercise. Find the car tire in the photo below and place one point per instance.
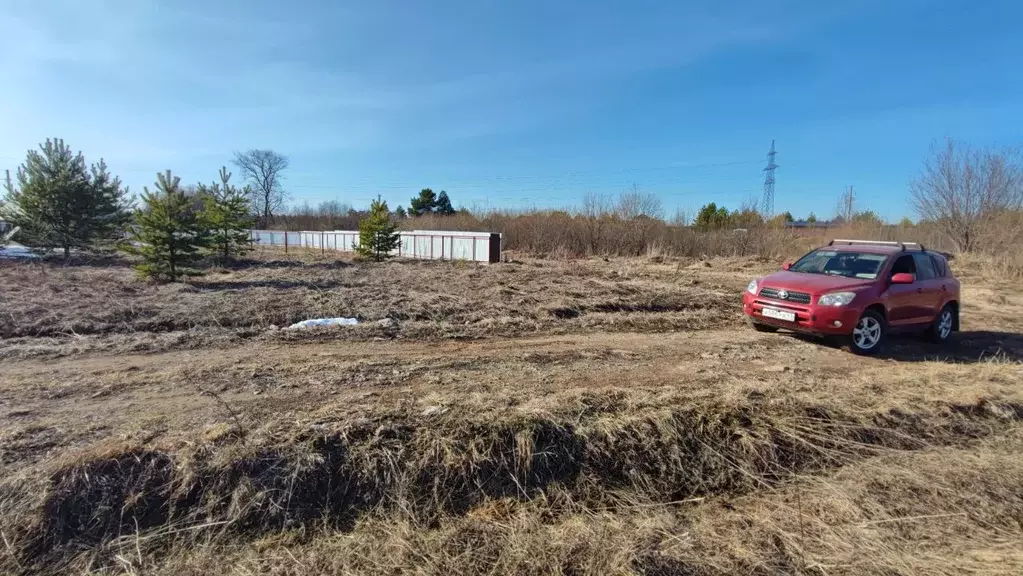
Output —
(942, 327)
(868, 334)
(760, 327)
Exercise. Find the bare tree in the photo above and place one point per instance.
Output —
(748, 215)
(333, 209)
(642, 208)
(596, 204)
(261, 170)
(965, 191)
(846, 205)
(632, 203)
(333, 214)
(681, 219)
(597, 208)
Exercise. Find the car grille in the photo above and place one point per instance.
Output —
(798, 297)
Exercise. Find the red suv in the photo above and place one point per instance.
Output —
(859, 290)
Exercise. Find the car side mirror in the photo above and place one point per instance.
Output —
(903, 278)
(786, 266)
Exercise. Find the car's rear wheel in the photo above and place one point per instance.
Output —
(868, 335)
(760, 327)
(941, 329)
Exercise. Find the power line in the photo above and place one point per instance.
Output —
(569, 177)
(525, 199)
(509, 194)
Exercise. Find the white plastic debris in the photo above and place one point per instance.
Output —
(315, 322)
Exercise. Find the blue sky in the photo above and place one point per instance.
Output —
(518, 104)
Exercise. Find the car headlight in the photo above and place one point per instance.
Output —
(752, 287)
(836, 299)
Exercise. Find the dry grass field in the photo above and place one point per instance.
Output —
(562, 417)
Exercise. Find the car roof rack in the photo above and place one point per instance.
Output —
(901, 245)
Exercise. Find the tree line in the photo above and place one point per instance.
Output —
(714, 217)
(336, 215)
(59, 201)
(972, 197)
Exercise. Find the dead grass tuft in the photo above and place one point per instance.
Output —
(430, 470)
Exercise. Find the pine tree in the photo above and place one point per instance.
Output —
(226, 216)
(712, 217)
(113, 206)
(423, 204)
(400, 213)
(61, 203)
(443, 205)
(169, 233)
(378, 236)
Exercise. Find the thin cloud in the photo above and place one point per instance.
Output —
(156, 83)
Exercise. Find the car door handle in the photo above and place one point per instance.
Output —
(919, 290)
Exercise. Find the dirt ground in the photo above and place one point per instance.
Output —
(541, 417)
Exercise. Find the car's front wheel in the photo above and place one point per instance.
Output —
(868, 335)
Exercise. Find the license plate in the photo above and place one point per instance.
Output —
(779, 314)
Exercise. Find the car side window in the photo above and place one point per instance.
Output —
(924, 267)
(939, 266)
(904, 265)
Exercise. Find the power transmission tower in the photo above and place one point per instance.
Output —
(769, 183)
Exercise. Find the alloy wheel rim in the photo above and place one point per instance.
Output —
(867, 333)
(945, 324)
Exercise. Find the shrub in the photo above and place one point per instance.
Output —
(378, 236)
(169, 234)
(226, 217)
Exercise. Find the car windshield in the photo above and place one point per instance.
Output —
(863, 265)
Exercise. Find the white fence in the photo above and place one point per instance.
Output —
(425, 244)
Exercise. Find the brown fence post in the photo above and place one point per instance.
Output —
(285, 240)
(323, 247)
